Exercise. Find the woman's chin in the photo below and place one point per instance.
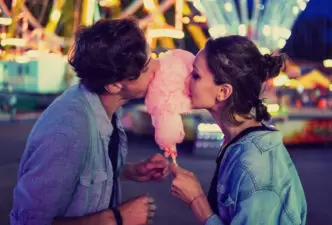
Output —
(195, 106)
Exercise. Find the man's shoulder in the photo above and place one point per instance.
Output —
(69, 114)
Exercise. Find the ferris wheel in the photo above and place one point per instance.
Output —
(32, 29)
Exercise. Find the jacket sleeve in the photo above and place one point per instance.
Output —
(48, 175)
(262, 207)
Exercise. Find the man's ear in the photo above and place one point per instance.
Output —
(225, 90)
(113, 88)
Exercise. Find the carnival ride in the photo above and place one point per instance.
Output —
(34, 44)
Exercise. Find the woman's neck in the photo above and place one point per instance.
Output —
(231, 130)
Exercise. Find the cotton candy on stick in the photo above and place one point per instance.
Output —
(168, 97)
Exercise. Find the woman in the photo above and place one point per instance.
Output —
(255, 180)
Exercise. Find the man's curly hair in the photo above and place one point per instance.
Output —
(107, 52)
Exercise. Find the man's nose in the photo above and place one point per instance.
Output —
(187, 80)
(187, 84)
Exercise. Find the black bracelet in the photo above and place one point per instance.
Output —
(117, 216)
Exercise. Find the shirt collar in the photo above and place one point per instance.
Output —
(103, 122)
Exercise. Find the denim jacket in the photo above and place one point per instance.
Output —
(258, 184)
(65, 170)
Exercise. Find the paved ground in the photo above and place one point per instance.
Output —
(314, 166)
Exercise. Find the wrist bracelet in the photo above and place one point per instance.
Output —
(194, 199)
(117, 216)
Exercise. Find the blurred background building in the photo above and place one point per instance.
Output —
(36, 36)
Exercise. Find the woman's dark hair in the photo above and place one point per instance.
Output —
(236, 60)
(107, 52)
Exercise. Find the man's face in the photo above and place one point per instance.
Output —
(134, 89)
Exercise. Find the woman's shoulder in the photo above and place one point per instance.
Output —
(253, 164)
(257, 143)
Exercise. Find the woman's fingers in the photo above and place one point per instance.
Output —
(176, 194)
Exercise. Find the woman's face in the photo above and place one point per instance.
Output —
(203, 90)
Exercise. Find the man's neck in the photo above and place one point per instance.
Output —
(112, 103)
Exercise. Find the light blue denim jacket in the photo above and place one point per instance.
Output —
(258, 184)
(65, 170)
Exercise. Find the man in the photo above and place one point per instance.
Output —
(75, 152)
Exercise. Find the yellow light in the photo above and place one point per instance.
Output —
(172, 33)
(218, 31)
(200, 19)
(300, 88)
(3, 35)
(296, 10)
(109, 3)
(55, 15)
(330, 87)
(22, 59)
(327, 63)
(161, 54)
(5, 21)
(208, 127)
(281, 43)
(13, 41)
(302, 5)
(185, 20)
(294, 83)
(88, 12)
(228, 7)
(33, 53)
(281, 80)
(283, 32)
(198, 5)
(154, 55)
(149, 5)
(264, 50)
(273, 108)
(242, 30)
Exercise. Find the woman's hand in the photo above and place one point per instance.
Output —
(185, 185)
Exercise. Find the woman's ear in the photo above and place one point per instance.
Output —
(113, 88)
(225, 90)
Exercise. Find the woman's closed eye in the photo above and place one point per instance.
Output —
(195, 76)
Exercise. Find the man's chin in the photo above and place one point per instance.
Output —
(136, 97)
(141, 95)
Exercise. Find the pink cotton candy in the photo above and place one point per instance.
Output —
(168, 97)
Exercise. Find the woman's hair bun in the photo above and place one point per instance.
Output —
(272, 65)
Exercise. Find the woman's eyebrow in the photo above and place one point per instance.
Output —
(195, 68)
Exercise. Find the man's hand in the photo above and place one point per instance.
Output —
(138, 211)
(154, 168)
